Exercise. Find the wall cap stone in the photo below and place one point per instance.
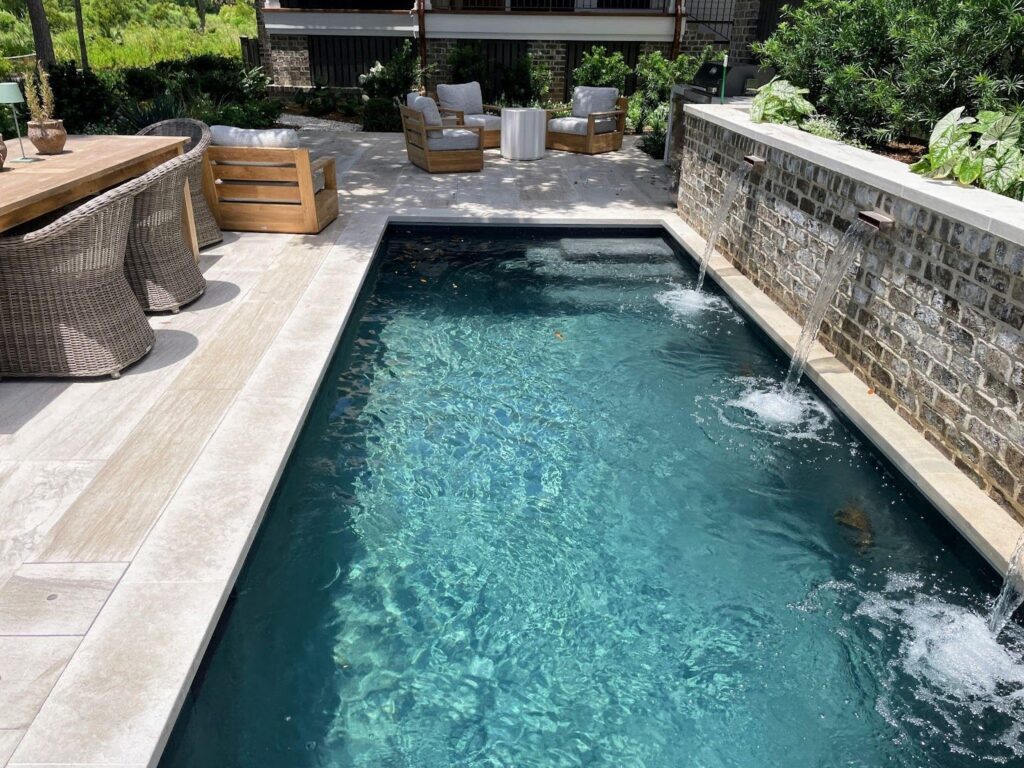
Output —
(1002, 216)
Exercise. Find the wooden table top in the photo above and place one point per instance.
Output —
(88, 165)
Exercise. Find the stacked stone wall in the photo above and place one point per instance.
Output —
(932, 320)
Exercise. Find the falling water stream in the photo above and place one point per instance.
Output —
(835, 268)
(732, 189)
(1012, 594)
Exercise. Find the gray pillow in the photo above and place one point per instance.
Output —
(229, 136)
(587, 99)
(465, 97)
(426, 107)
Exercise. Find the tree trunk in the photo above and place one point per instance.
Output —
(41, 33)
(84, 57)
(201, 11)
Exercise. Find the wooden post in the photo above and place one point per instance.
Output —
(677, 33)
(421, 13)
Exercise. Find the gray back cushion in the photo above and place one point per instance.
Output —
(465, 97)
(410, 98)
(426, 106)
(587, 99)
(229, 136)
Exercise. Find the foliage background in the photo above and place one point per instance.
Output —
(130, 33)
(889, 69)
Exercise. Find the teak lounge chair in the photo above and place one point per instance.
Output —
(264, 182)
(436, 148)
(596, 125)
(465, 103)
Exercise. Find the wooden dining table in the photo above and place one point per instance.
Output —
(87, 166)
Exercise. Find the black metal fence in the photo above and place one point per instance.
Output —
(339, 61)
(713, 18)
(251, 52)
(553, 6)
(351, 5)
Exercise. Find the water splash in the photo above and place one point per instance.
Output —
(835, 269)
(685, 302)
(1012, 594)
(945, 661)
(732, 189)
(761, 407)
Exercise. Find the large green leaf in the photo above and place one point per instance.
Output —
(1005, 129)
(1001, 170)
(969, 168)
(942, 133)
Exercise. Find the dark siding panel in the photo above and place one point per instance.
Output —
(340, 60)
(630, 51)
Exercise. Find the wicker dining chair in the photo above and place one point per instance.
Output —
(65, 306)
(207, 230)
(158, 262)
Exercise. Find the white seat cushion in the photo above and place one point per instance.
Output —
(587, 99)
(229, 136)
(489, 122)
(578, 125)
(427, 107)
(465, 97)
(453, 138)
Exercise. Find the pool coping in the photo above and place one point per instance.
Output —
(120, 696)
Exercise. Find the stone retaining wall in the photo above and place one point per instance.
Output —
(932, 317)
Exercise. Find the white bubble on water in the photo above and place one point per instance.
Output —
(684, 303)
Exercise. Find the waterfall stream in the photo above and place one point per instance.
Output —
(1012, 594)
(732, 189)
(845, 254)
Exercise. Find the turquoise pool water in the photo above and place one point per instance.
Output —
(542, 514)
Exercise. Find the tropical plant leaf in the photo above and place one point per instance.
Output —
(969, 168)
(1005, 129)
(1000, 171)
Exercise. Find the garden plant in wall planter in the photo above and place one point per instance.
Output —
(46, 134)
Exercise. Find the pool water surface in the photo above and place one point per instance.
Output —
(541, 515)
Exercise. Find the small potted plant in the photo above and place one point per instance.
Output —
(46, 134)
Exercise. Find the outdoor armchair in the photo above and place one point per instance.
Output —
(438, 149)
(596, 124)
(465, 103)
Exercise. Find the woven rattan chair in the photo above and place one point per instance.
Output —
(207, 231)
(159, 262)
(65, 306)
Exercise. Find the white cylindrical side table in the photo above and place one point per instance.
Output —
(523, 132)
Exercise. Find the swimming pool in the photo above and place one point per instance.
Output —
(541, 515)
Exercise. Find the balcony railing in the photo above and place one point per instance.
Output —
(554, 6)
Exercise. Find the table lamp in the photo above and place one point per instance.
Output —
(10, 93)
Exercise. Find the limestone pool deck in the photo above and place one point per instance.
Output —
(127, 507)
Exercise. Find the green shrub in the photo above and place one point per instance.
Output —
(780, 102)
(86, 98)
(323, 100)
(653, 142)
(985, 150)
(468, 63)
(527, 83)
(655, 76)
(380, 114)
(213, 89)
(393, 80)
(887, 69)
(602, 69)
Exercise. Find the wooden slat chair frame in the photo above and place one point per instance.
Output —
(590, 143)
(492, 139)
(436, 160)
(285, 201)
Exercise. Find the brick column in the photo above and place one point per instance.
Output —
(744, 31)
(553, 54)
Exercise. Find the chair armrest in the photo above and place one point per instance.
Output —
(492, 108)
(556, 111)
(458, 114)
(612, 113)
(321, 162)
